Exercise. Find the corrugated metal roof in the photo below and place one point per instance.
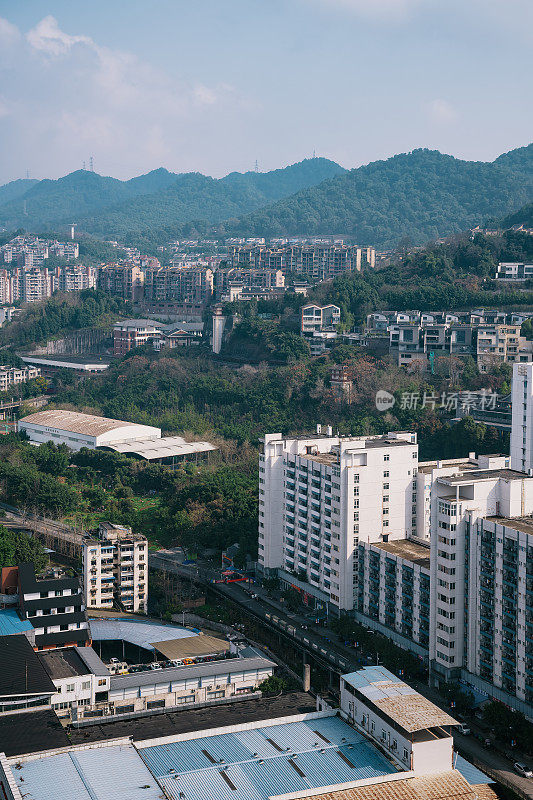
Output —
(88, 424)
(411, 710)
(173, 674)
(93, 661)
(136, 632)
(203, 645)
(95, 774)
(439, 786)
(469, 772)
(266, 761)
(10, 622)
(165, 447)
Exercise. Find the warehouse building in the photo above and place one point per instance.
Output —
(299, 754)
(78, 430)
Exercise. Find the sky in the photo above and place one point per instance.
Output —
(214, 85)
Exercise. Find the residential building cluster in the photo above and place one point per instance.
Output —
(415, 339)
(438, 555)
(29, 251)
(13, 376)
(314, 261)
(32, 284)
(514, 272)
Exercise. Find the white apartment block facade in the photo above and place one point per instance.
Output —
(12, 376)
(438, 556)
(319, 495)
(115, 569)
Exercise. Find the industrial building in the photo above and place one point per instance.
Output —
(325, 754)
(78, 430)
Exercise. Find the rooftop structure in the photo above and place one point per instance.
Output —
(10, 622)
(91, 429)
(93, 773)
(399, 701)
(23, 679)
(169, 450)
(137, 632)
(256, 762)
(408, 550)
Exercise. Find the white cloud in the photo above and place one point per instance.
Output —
(48, 38)
(84, 98)
(441, 111)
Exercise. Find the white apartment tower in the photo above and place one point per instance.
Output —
(115, 569)
(319, 494)
(522, 418)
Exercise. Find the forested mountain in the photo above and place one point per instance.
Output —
(524, 216)
(14, 189)
(421, 195)
(51, 203)
(159, 199)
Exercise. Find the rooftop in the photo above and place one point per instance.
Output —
(164, 447)
(203, 645)
(63, 663)
(10, 622)
(75, 422)
(440, 786)
(30, 732)
(485, 474)
(21, 672)
(524, 524)
(171, 674)
(259, 762)
(407, 549)
(406, 707)
(97, 773)
(143, 634)
(198, 719)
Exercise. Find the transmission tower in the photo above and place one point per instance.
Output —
(91, 164)
(256, 166)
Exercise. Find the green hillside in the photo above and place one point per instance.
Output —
(107, 206)
(50, 203)
(524, 216)
(420, 195)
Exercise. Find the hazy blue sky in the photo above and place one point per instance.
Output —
(211, 85)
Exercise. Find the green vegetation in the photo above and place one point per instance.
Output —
(51, 203)
(420, 195)
(153, 205)
(20, 548)
(509, 726)
(60, 315)
(524, 216)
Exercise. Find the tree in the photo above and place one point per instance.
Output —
(20, 548)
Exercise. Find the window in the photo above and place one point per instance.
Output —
(86, 685)
(101, 682)
(386, 457)
(70, 687)
(386, 474)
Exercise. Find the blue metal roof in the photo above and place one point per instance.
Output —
(93, 774)
(470, 773)
(10, 622)
(370, 675)
(262, 762)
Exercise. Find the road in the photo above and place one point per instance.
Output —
(324, 645)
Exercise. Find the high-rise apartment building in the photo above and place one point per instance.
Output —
(437, 556)
(319, 495)
(115, 569)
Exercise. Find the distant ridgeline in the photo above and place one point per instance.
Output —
(420, 195)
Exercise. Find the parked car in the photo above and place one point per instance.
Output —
(521, 769)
